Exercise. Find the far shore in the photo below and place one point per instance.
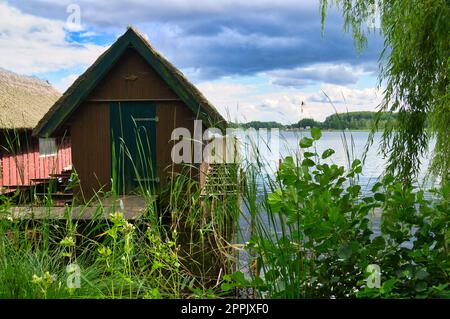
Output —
(326, 130)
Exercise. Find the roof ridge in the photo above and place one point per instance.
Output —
(24, 99)
(23, 77)
(155, 59)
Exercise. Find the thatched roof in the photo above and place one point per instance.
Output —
(81, 88)
(23, 100)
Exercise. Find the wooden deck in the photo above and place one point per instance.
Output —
(132, 208)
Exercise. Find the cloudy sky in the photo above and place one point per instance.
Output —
(254, 60)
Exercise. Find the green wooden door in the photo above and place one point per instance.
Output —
(133, 138)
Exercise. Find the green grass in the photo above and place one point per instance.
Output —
(178, 248)
(192, 243)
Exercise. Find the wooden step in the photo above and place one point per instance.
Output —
(55, 194)
(61, 175)
(44, 180)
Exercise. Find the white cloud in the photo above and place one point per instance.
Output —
(319, 72)
(228, 98)
(243, 103)
(65, 82)
(222, 38)
(348, 96)
(31, 44)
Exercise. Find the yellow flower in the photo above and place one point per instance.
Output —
(68, 241)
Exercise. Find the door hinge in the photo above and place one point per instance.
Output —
(152, 119)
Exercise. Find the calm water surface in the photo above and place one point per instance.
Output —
(373, 166)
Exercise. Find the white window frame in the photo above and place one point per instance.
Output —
(47, 147)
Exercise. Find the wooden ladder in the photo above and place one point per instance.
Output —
(221, 180)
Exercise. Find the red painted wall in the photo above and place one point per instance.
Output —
(20, 168)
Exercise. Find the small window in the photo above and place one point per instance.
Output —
(47, 147)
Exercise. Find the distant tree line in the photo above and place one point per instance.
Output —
(258, 125)
(350, 120)
(337, 121)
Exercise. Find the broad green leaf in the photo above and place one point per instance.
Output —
(355, 163)
(379, 197)
(227, 286)
(327, 153)
(354, 189)
(308, 162)
(306, 142)
(388, 179)
(309, 154)
(316, 134)
(239, 277)
(288, 160)
(275, 199)
(376, 187)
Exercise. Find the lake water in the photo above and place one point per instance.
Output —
(373, 166)
(356, 141)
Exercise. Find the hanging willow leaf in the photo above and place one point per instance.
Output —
(414, 71)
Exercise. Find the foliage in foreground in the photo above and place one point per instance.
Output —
(318, 238)
(111, 264)
(164, 254)
(313, 234)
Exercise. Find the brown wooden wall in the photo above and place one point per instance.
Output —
(91, 147)
(130, 79)
(171, 115)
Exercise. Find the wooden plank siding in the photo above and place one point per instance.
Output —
(20, 166)
(91, 147)
(130, 79)
(171, 115)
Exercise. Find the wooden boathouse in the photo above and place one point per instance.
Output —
(120, 114)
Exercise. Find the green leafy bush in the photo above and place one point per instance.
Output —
(319, 236)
